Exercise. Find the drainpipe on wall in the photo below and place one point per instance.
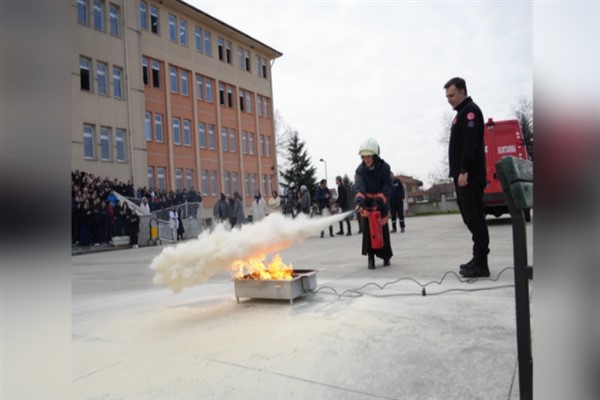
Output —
(127, 90)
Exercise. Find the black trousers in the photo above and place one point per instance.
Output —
(397, 210)
(470, 204)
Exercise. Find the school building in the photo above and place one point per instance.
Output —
(170, 97)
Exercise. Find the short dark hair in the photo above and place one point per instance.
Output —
(458, 82)
(323, 181)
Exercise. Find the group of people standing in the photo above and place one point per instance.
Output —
(466, 158)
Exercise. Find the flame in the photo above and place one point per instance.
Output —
(255, 268)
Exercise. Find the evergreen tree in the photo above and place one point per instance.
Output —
(300, 172)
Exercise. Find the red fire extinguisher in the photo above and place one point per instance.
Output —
(375, 229)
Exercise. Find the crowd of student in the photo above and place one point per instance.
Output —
(97, 215)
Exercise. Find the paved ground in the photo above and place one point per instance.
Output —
(132, 339)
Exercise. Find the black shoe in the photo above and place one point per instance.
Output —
(322, 234)
(349, 234)
(371, 263)
(402, 230)
(386, 262)
(339, 233)
(393, 230)
(359, 231)
(468, 264)
(331, 234)
(475, 272)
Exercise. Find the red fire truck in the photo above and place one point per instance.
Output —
(502, 139)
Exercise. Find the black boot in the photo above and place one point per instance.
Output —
(349, 229)
(331, 231)
(386, 262)
(393, 226)
(371, 262)
(341, 231)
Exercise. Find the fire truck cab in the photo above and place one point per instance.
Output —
(502, 139)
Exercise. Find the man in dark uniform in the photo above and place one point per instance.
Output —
(342, 203)
(397, 203)
(466, 156)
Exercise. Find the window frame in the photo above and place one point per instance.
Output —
(183, 75)
(89, 142)
(99, 24)
(88, 62)
(176, 125)
(174, 79)
(101, 77)
(199, 39)
(158, 123)
(187, 132)
(202, 135)
(155, 20)
(148, 126)
(182, 32)
(114, 23)
(105, 143)
(117, 82)
(83, 11)
(120, 145)
(143, 9)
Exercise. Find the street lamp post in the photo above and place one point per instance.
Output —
(324, 162)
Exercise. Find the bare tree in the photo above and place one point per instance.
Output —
(283, 135)
(523, 111)
(440, 174)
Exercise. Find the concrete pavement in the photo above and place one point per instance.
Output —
(132, 339)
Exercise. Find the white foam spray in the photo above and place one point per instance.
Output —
(192, 262)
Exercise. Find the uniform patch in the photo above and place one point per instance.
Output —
(470, 116)
(471, 124)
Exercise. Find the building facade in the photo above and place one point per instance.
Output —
(170, 97)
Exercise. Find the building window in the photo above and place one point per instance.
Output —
(205, 183)
(173, 72)
(148, 125)
(114, 20)
(183, 32)
(234, 182)
(88, 142)
(117, 73)
(145, 70)
(229, 96)
(253, 182)
(101, 77)
(211, 136)
(189, 178)
(158, 128)
(162, 183)
(202, 134)
(172, 28)
(104, 143)
(187, 137)
(176, 131)
(265, 107)
(232, 140)
(155, 74)
(178, 178)
(263, 64)
(209, 93)
(228, 51)
(150, 177)
(143, 15)
(184, 83)
(120, 144)
(82, 11)
(221, 48)
(259, 105)
(247, 59)
(264, 188)
(84, 73)
(198, 39)
(251, 142)
(222, 93)
(99, 15)
(241, 57)
(242, 100)
(247, 184)
(199, 87)
(154, 20)
(213, 183)
(244, 142)
(268, 146)
(261, 143)
(249, 102)
(224, 136)
(227, 177)
(207, 44)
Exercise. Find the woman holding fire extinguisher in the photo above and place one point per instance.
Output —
(373, 187)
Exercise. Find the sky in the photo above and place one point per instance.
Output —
(354, 70)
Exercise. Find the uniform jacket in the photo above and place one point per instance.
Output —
(397, 192)
(466, 151)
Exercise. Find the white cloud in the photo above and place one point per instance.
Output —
(350, 70)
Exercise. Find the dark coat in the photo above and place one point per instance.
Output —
(374, 181)
(466, 150)
(342, 200)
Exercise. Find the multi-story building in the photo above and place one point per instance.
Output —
(170, 97)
